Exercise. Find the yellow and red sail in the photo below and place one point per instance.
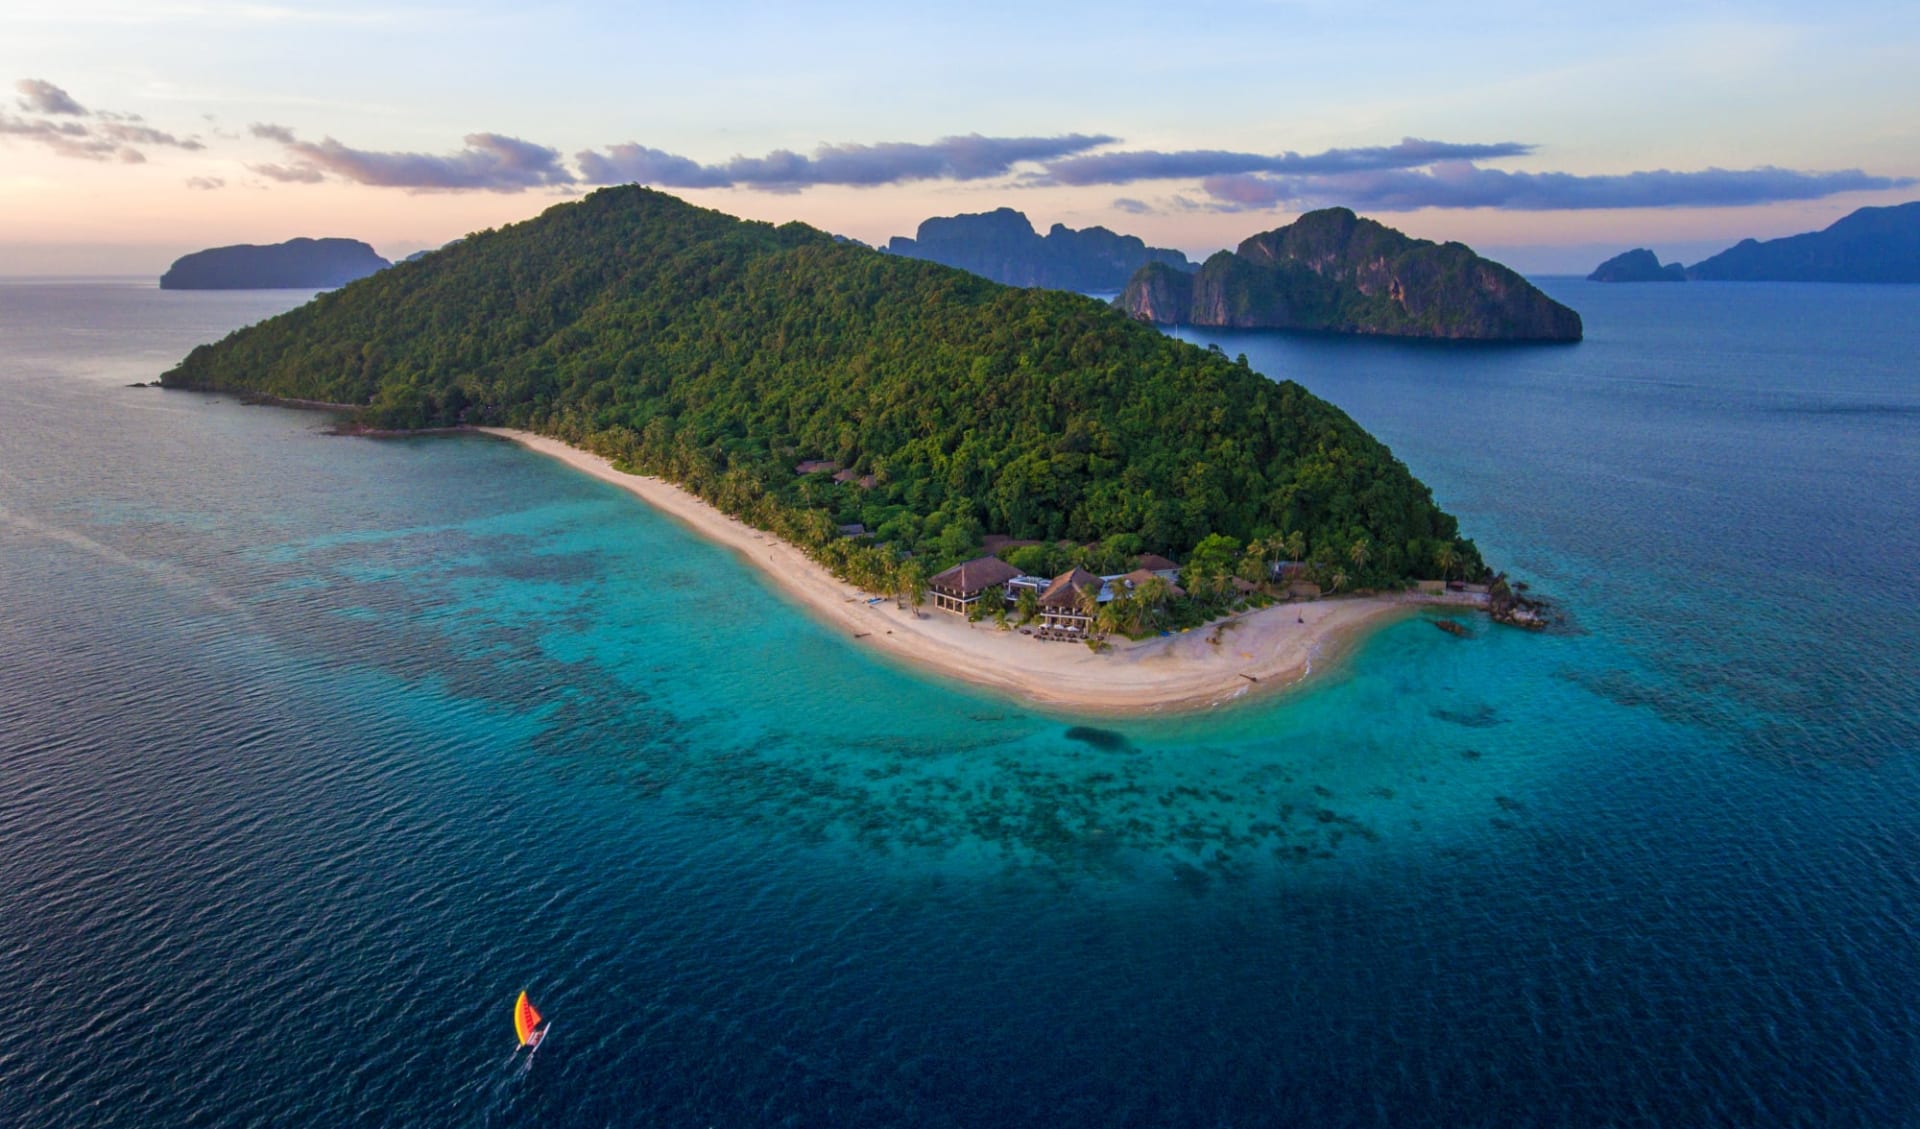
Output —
(525, 1019)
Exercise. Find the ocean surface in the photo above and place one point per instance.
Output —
(315, 751)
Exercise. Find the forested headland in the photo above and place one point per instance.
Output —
(721, 354)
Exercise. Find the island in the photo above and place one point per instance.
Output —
(1637, 265)
(1868, 245)
(1331, 271)
(876, 431)
(1002, 245)
(297, 264)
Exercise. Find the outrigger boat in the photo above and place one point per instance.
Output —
(527, 1023)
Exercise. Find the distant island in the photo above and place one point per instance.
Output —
(1866, 245)
(1002, 245)
(1638, 265)
(1028, 456)
(302, 264)
(1331, 271)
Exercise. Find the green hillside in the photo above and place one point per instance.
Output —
(718, 353)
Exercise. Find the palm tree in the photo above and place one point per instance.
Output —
(1152, 596)
(1028, 603)
(1087, 601)
(1446, 557)
(1338, 580)
(1296, 546)
(910, 584)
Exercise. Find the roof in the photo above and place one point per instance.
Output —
(1140, 576)
(1243, 586)
(1066, 588)
(977, 575)
(1154, 562)
(814, 466)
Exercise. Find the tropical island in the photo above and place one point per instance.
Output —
(1867, 245)
(1637, 265)
(876, 423)
(1003, 246)
(1331, 271)
(297, 264)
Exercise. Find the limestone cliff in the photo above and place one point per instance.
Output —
(1002, 245)
(1331, 271)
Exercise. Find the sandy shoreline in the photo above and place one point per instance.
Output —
(1259, 651)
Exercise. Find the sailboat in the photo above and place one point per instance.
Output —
(527, 1023)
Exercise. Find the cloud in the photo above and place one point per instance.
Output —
(290, 174)
(206, 183)
(146, 135)
(110, 136)
(1148, 164)
(69, 139)
(490, 162)
(1462, 184)
(1133, 207)
(969, 157)
(43, 97)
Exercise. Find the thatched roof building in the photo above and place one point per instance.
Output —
(958, 588)
(1066, 588)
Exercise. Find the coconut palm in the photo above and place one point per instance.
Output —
(1152, 596)
(1446, 557)
(1028, 604)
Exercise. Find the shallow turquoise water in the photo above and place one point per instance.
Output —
(345, 742)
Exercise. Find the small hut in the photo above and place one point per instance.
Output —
(957, 589)
(1159, 566)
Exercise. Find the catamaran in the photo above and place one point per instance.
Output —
(527, 1023)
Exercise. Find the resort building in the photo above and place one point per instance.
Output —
(1159, 566)
(1064, 606)
(959, 588)
(1133, 580)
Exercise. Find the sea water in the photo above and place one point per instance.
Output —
(315, 751)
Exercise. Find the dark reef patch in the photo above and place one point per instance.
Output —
(1106, 740)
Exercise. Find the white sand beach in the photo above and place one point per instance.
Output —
(1256, 652)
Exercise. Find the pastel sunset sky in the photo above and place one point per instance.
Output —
(1549, 136)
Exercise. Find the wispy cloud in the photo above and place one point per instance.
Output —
(968, 157)
(39, 96)
(206, 183)
(103, 135)
(1191, 164)
(69, 139)
(1133, 207)
(1462, 184)
(491, 162)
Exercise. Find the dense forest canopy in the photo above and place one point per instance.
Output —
(719, 353)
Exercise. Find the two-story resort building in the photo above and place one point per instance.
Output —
(959, 588)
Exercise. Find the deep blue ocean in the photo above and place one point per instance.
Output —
(315, 751)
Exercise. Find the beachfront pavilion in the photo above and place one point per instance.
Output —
(959, 588)
(1062, 611)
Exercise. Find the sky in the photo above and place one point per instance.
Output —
(1549, 136)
